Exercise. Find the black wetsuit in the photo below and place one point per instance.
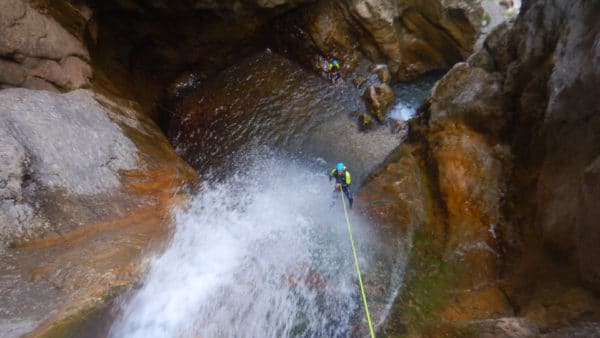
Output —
(344, 181)
(334, 75)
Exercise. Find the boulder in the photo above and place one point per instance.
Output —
(472, 96)
(382, 71)
(379, 98)
(359, 81)
(365, 122)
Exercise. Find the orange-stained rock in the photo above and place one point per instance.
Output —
(396, 196)
(98, 240)
(482, 303)
(470, 182)
(507, 139)
(470, 177)
(85, 265)
(454, 272)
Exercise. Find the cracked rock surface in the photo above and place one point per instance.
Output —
(38, 53)
(55, 144)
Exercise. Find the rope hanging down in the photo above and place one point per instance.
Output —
(362, 289)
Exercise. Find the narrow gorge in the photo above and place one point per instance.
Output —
(164, 168)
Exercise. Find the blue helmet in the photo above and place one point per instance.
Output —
(335, 62)
(340, 166)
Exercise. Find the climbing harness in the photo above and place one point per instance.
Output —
(362, 289)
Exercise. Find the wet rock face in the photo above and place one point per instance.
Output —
(412, 37)
(510, 138)
(143, 46)
(36, 52)
(556, 135)
(555, 126)
(396, 195)
(426, 46)
(73, 144)
(17, 217)
(52, 145)
(470, 95)
(465, 116)
(470, 182)
(85, 188)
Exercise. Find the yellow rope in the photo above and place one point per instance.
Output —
(362, 289)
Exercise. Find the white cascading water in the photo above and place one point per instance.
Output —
(258, 254)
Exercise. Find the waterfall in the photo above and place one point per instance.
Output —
(259, 252)
(263, 252)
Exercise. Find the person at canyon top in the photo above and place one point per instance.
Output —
(342, 181)
(334, 71)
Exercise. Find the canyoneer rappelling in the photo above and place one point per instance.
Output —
(334, 71)
(342, 181)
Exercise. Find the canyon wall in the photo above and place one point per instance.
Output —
(509, 141)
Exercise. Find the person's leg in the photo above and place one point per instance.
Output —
(349, 195)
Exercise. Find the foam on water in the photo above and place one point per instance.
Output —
(409, 95)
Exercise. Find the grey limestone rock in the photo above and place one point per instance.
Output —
(37, 52)
(55, 142)
(72, 143)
